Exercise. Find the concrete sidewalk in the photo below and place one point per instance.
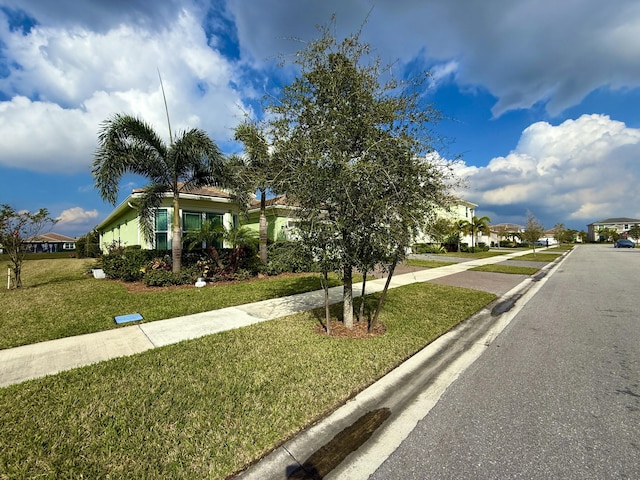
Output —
(46, 358)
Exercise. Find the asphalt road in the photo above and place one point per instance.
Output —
(557, 393)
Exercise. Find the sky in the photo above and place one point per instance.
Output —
(541, 98)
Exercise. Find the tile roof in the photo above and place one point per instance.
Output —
(205, 191)
(50, 237)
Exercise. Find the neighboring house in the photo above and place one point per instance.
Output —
(509, 232)
(458, 210)
(49, 243)
(281, 218)
(122, 227)
(595, 230)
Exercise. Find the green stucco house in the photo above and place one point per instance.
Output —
(122, 228)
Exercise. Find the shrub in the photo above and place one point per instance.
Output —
(289, 256)
(427, 248)
(88, 246)
(127, 264)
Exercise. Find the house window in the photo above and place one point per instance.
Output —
(192, 222)
(626, 226)
(161, 230)
(69, 246)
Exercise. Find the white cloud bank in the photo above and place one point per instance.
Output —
(77, 215)
(64, 83)
(580, 171)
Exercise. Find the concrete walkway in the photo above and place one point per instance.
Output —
(46, 358)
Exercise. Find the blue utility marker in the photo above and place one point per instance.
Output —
(132, 317)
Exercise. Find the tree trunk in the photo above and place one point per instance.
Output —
(17, 276)
(327, 311)
(176, 241)
(213, 252)
(263, 227)
(383, 295)
(347, 297)
(364, 287)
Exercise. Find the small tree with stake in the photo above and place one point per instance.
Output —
(533, 231)
(15, 229)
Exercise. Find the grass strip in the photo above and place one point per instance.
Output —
(207, 407)
(500, 268)
(59, 300)
(537, 257)
(473, 254)
(414, 262)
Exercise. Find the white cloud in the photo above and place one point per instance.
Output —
(80, 78)
(582, 170)
(77, 215)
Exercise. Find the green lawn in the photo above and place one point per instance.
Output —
(474, 254)
(427, 263)
(501, 268)
(59, 300)
(538, 257)
(206, 407)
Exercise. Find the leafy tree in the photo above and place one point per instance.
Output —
(634, 232)
(583, 236)
(440, 229)
(570, 235)
(129, 145)
(88, 246)
(16, 228)
(354, 150)
(533, 231)
(559, 233)
(257, 172)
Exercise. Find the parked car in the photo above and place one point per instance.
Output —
(624, 243)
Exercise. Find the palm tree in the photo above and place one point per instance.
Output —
(478, 225)
(257, 171)
(129, 145)
(210, 233)
(240, 237)
(460, 227)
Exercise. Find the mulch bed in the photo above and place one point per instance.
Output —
(141, 287)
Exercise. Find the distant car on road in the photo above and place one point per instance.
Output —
(624, 243)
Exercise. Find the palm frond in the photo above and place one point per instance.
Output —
(126, 145)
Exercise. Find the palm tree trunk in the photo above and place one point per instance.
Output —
(263, 227)
(176, 241)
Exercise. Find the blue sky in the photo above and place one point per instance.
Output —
(542, 96)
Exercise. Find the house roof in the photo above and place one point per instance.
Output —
(50, 237)
(279, 201)
(509, 227)
(460, 201)
(616, 220)
(205, 191)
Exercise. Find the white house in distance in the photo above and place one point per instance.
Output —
(458, 210)
(621, 225)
